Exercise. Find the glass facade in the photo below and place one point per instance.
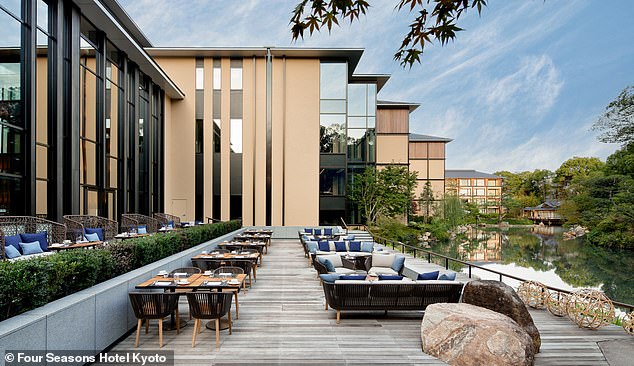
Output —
(63, 148)
(235, 140)
(347, 139)
(216, 138)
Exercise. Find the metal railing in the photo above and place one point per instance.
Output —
(354, 226)
(406, 248)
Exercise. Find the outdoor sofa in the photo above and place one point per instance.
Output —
(18, 230)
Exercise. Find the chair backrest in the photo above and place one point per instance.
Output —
(202, 264)
(132, 222)
(189, 270)
(165, 218)
(153, 305)
(221, 251)
(14, 225)
(250, 251)
(76, 224)
(233, 270)
(245, 265)
(209, 305)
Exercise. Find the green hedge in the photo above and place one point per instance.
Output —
(28, 284)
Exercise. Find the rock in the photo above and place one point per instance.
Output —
(464, 334)
(502, 298)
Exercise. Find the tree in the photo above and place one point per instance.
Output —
(435, 20)
(617, 123)
(384, 192)
(573, 171)
(453, 210)
(426, 198)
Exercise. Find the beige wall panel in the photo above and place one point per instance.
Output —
(248, 138)
(437, 150)
(419, 166)
(208, 133)
(392, 121)
(41, 101)
(260, 132)
(436, 169)
(180, 171)
(277, 140)
(438, 186)
(418, 150)
(302, 143)
(391, 149)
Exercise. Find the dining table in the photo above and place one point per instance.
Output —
(197, 282)
(78, 245)
(254, 237)
(242, 245)
(231, 257)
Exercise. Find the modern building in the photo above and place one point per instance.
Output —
(427, 158)
(95, 120)
(481, 189)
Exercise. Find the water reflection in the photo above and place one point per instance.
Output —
(541, 254)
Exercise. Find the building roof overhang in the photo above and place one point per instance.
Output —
(123, 33)
(415, 137)
(378, 79)
(385, 104)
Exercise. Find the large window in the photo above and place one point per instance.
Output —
(361, 122)
(217, 135)
(235, 139)
(332, 91)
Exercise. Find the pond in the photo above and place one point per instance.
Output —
(539, 253)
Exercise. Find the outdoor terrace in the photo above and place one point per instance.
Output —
(282, 320)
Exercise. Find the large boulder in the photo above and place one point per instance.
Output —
(464, 334)
(500, 297)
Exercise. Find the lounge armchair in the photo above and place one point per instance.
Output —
(380, 263)
(17, 229)
(134, 222)
(167, 220)
(79, 225)
(332, 263)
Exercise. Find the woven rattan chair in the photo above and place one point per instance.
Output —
(76, 224)
(164, 219)
(153, 305)
(209, 305)
(14, 225)
(233, 270)
(189, 270)
(132, 221)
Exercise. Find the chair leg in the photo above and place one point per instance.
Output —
(147, 325)
(217, 332)
(230, 324)
(138, 332)
(338, 316)
(195, 332)
(326, 307)
(160, 333)
(178, 323)
(237, 306)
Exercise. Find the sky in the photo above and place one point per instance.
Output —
(519, 88)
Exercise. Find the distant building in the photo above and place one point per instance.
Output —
(427, 158)
(547, 213)
(481, 189)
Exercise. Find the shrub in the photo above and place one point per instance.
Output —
(28, 284)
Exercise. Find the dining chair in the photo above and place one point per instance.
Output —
(233, 270)
(209, 305)
(188, 270)
(153, 305)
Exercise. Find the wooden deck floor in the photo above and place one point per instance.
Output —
(282, 320)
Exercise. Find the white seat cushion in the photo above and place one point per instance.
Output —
(382, 260)
(334, 258)
(382, 270)
(30, 256)
(342, 270)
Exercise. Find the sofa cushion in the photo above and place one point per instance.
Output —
(142, 229)
(26, 257)
(14, 241)
(170, 225)
(317, 232)
(437, 282)
(327, 263)
(343, 270)
(340, 246)
(383, 260)
(428, 276)
(31, 248)
(92, 237)
(399, 262)
(367, 246)
(382, 270)
(312, 246)
(335, 259)
(97, 230)
(352, 277)
(449, 276)
(11, 252)
(383, 277)
(352, 282)
(354, 246)
(328, 231)
(41, 238)
(324, 246)
(330, 277)
(308, 230)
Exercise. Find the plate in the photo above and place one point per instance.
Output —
(183, 282)
(162, 283)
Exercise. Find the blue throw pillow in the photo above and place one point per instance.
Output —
(353, 277)
(327, 263)
(398, 263)
(170, 224)
(10, 251)
(308, 230)
(317, 232)
(329, 277)
(312, 246)
(383, 277)
(340, 246)
(350, 237)
(142, 229)
(13, 241)
(367, 247)
(92, 237)
(355, 246)
(328, 231)
(31, 248)
(38, 237)
(324, 246)
(428, 276)
(450, 276)
(98, 231)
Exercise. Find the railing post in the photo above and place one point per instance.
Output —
(402, 248)
(428, 257)
(469, 271)
(446, 263)
(500, 277)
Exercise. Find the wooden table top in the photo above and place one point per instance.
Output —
(196, 281)
(74, 246)
(224, 256)
(243, 243)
